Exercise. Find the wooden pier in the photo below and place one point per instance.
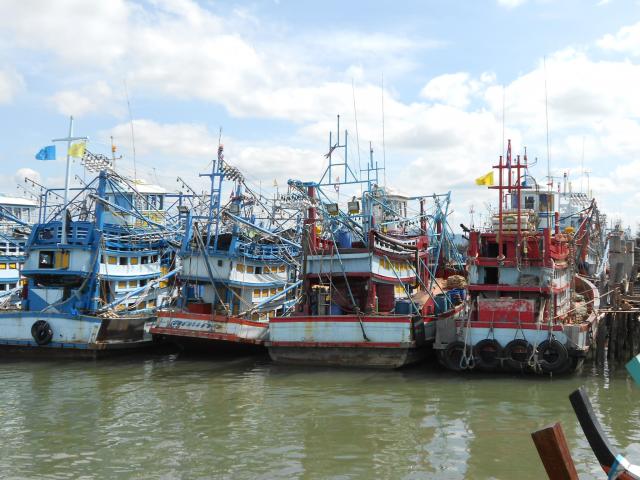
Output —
(618, 336)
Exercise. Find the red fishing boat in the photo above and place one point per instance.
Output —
(529, 308)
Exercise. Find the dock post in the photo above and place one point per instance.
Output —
(554, 452)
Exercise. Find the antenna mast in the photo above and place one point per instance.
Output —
(384, 151)
(546, 114)
(133, 138)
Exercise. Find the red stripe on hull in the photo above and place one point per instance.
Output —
(172, 332)
(514, 325)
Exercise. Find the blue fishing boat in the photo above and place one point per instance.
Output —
(238, 269)
(96, 267)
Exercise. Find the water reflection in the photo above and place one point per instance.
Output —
(170, 417)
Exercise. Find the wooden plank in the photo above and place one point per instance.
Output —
(554, 452)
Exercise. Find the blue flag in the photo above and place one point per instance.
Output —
(47, 153)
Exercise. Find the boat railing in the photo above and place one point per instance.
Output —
(267, 251)
(50, 233)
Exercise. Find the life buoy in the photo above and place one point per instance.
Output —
(41, 332)
(517, 354)
(452, 355)
(552, 356)
(488, 354)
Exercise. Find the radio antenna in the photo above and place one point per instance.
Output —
(133, 137)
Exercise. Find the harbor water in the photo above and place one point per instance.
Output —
(171, 417)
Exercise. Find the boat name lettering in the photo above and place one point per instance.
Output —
(190, 324)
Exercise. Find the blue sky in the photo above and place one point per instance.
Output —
(274, 74)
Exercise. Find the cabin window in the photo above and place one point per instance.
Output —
(546, 202)
(122, 284)
(529, 202)
(134, 260)
(113, 260)
(256, 292)
(240, 267)
(123, 261)
(250, 269)
(3, 287)
(219, 263)
(143, 282)
(3, 266)
(282, 268)
(12, 265)
(144, 260)
(12, 286)
(258, 270)
(280, 289)
(273, 291)
(154, 258)
(490, 275)
(133, 283)
(46, 259)
(265, 292)
(151, 303)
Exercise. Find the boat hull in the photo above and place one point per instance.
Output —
(347, 340)
(347, 355)
(509, 345)
(80, 335)
(209, 333)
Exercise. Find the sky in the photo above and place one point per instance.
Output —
(449, 80)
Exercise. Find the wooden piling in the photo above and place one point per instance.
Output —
(554, 452)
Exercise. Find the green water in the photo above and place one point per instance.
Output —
(170, 417)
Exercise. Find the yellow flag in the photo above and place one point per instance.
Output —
(485, 179)
(77, 149)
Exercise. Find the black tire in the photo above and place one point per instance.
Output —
(41, 332)
(553, 356)
(453, 354)
(517, 354)
(488, 354)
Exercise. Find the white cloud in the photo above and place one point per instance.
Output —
(455, 89)
(444, 137)
(23, 173)
(165, 151)
(625, 40)
(87, 99)
(11, 83)
(511, 3)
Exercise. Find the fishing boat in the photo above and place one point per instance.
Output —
(239, 270)
(16, 217)
(371, 296)
(96, 268)
(529, 307)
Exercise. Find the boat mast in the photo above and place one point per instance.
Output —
(68, 139)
